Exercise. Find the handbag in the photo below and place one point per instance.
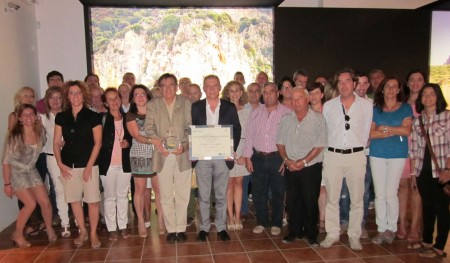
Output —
(446, 187)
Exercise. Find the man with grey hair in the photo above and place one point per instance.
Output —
(301, 138)
(300, 78)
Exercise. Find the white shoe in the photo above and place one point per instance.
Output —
(147, 224)
(355, 244)
(275, 231)
(328, 242)
(258, 229)
(65, 232)
(285, 222)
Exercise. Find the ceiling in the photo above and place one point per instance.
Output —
(386, 4)
(380, 4)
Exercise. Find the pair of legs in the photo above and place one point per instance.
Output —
(386, 175)
(77, 210)
(322, 204)
(140, 185)
(234, 200)
(63, 207)
(29, 197)
(405, 193)
(116, 184)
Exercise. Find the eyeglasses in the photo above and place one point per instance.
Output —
(346, 118)
(286, 87)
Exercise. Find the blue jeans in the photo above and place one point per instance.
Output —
(245, 182)
(266, 176)
(344, 202)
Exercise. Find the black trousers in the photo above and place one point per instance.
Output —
(434, 206)
(302, 193)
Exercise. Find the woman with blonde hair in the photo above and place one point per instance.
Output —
(234, 92)
(20, 176)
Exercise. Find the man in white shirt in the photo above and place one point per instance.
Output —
(348, 119)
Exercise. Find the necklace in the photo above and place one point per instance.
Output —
(119, 132)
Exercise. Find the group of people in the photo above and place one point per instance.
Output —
(314, 161)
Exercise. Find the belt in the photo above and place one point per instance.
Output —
(266, 153)
(346, 151)
(49, 154)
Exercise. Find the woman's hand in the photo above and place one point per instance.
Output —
(87, 173)
(124, 144)
(65, 171)
(178, 151)
(413, 182)
(240, 160)
(9, 190)
(444, 177)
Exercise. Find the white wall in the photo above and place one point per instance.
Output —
(18, 68)
(35, 40)
(61, 41)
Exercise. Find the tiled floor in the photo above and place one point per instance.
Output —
(244, 246)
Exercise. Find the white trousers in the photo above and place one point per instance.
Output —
(175, 189)
(336, 166)
(55, 173)
(116, 185)
(386, 174)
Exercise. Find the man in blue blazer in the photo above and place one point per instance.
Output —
(214, 111)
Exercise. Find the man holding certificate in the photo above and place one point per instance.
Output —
(167, 126)
(214, 172)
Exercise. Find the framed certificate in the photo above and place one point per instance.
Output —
(208, 142)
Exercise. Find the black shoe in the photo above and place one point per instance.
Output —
(202, 236)
(288, 239)
(181, 236)
(313, 242)
(223, 235)
(171, 237)
(299, 236)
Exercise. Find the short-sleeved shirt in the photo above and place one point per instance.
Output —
(393, 146)
(78, 136)
(299, 138)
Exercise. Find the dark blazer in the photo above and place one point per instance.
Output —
(227, 116)
(108, 136)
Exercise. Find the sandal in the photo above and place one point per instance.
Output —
(414, 245)
(432, 253)
(31, 231)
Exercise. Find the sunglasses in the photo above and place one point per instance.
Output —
(346, 118)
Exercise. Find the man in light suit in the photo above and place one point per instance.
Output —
(170, 116)
(214, 111)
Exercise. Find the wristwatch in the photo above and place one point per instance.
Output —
(305, 163)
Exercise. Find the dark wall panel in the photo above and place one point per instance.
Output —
(325, 40)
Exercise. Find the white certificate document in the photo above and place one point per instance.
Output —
(208, 142)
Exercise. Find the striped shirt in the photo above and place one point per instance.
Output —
(439, 133)
(261, 129)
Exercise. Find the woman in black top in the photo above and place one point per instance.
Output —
(114, 165)
(77, 158)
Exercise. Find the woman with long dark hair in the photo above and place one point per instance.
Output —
(430, 180)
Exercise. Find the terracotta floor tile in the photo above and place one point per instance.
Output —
(62, 244)
(399, 247)
(258, 245)
(123, 261)
(266, 257)
(129, 242)
(301, 255)
(226, 247)
(371, 250)
(86, 255)
(196, 259)
(235, 258)
(159, 260)
(20, 257)
(192, 249)
(296, 244)
(248, 234)
(348, 260)
(415, 258)
(122, 253)
(382, 259)
(335, 252)
(159, 251)
(55, 256)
